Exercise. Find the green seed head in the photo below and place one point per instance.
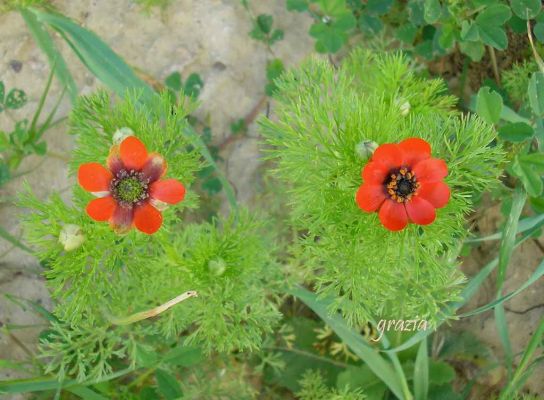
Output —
(130, 189)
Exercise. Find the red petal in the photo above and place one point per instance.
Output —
(370, 197)
(415, 150)
(133, 153)
(375, 172)
(393, 215)
(94, 177)
(388, 154)
(147, 218)
(114, 161)
(430, 170)
(101, 209)
(169, 191)
(122, 218)
(437, 193)
(155, 167)
(420, 211)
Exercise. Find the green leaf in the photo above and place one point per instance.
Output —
(145, 356)
(475, 50)
(376, 363)
(494, 15)
(362, 377)
(469, 31)
(2, 94)
(378, 7)
(536, 93)
(48, 46)
(333, 8)
(99, 58)
(494, 36)
(516, 132)
(168, 385)
(276, 36)
(421, 372)
(212, 185)
(440, 372)
(370, 24)
(264, 23)
(15, 99)
(536, 159)
(297, 5)
(529, 177)
(446, 37)
(193, 85)
(328, 39)
(174, 82)
(433, 10)
(489, 105)
(183, 356)
(517, 24)
(538, 30)
(526, 9)
(406, 33)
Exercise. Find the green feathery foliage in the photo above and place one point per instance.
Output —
(229, 262)
(313, 387)
(324, 115)
(516, 79)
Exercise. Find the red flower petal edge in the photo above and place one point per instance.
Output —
(403, 184)
(130, 187)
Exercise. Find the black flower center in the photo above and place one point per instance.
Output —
(401, 185)
(130, 187)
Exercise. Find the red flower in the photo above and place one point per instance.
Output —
(404, 184)
(130, 190)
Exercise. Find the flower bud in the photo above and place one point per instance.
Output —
(121, 134)
(71, 237)
(365, 149)
(217, 266)
(404, 106)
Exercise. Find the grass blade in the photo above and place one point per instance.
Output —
(13, 240)
(523, 226)
(524, 364)
(375, 362)
(505, 253)
(99, 58)
(85, 393)
(46, 43)
(421, 372)
(229, 191)
(539, 272)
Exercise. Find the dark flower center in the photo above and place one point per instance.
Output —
(130, 187)
(401, 185)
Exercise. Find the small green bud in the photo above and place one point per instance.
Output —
(71, 237)
(404, 106)
(365, 149)
(121, 134)
(217, 266)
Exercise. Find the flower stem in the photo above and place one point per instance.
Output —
(153, 312)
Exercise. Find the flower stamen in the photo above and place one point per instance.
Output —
(130, 187)
(402, 185)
